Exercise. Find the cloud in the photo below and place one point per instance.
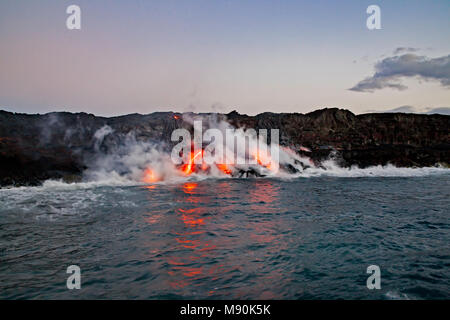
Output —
(403, 109)
(411, 109)
(404, 50)
(389, 71)
(444, 110)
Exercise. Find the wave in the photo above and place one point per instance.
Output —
(395, 295)
(333, 170)
(328, 169)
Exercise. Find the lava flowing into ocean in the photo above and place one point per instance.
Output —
(149, 176)
(189, 167)
(259, 166)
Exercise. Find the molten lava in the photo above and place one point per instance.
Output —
(224, 168)
(149, 176)
(189, 168)
(263, 161)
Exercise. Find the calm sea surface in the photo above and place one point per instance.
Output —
(305, 238)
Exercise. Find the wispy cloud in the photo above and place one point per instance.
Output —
(411, 109)
(445, 110)
(389, 71)
(403, 109)
(400, 50)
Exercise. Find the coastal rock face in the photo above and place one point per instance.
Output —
(365, 140)
(34, 148)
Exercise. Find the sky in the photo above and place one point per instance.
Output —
(142, 56)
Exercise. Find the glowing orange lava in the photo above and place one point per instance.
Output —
(149, 176)
(223, 168)
(262, 160)
(188, 168)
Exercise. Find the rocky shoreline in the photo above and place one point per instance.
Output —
(34, 148)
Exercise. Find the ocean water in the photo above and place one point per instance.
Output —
(309, 237)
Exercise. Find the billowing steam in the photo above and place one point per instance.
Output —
(135, 161)
(243, 154)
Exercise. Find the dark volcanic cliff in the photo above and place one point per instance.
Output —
(34, 148)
